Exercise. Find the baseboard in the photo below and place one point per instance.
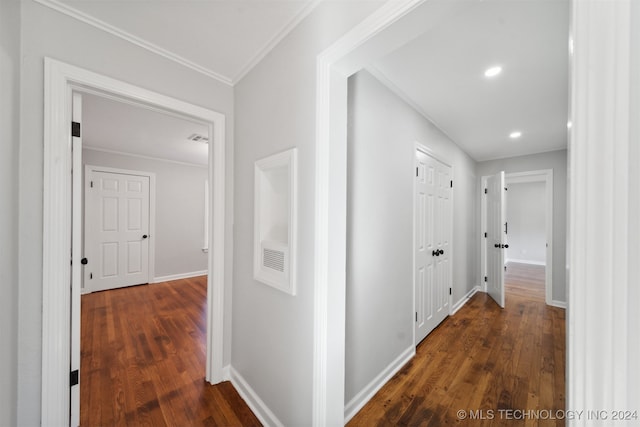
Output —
(252, 399)
(525, 261)
(180, 276)
(226, 373)
(559, 304)
(361, 399)
(464, 299)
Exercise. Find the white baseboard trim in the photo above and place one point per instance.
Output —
(180, 276)
(361, 399)
(226, 373)
(559, 304)
(525, 261)
(457, 306)
(259, 408)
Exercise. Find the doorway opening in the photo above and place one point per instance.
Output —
(60, 313)
(528, 231)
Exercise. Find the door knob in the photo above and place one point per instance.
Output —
(505, 246)
(435, 253)
(144, 236)
(84, 261)
(441, 251)
(497, 245)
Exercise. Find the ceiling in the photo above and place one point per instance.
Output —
(440, 72)
(115, 126)
(221, 38)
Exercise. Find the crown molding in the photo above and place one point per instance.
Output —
(142, 156)
(273, 42)
(124, 35)
(97, 23)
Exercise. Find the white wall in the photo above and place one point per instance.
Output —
(526, 216)
(276, 110)
(556, 160)
(383, 131)
(46, 32)
(179, 235)
(9, 137)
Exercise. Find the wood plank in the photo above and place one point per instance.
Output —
(482, 359)
(143, 360)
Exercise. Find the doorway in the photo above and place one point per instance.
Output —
(544, 178)
(60, 82)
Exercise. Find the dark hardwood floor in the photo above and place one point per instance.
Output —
(495, 362)
(143, 360)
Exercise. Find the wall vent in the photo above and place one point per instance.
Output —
(196, 137)
(273, 259)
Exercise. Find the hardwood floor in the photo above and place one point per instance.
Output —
(498, 363)
(143, 360)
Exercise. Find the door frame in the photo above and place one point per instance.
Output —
(60, 80)
(542, 175)
(419, 147)
(152, 214)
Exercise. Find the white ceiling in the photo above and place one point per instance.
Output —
(441, 73)
(112, 125)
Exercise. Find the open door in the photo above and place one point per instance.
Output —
(77, 260)
(495, 241)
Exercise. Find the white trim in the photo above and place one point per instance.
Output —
(465, 299)
(602, 318)
(382, 78)
(525, 261)
(332, 71)
(151, 47)
(559, 304)
(179, 276)
(142, 156)
(151, 265)
(60, 80)
(259, 408)
(361, 399)
(113, 30)
(226, 373)
(273, 42)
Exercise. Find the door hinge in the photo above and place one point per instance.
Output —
(416, 316)
(450, 291)
(485, 191)
(485, 278)
(90, 275)
(75, 129)
(451, 184)
(74, 378)
(417, 172)
(485, 235)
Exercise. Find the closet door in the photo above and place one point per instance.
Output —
(432, 243)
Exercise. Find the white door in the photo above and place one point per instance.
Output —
(495, 241)
(432, 243)
(76, 256)
(117, 229)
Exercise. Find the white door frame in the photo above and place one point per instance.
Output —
(425, 150)
(543, 175)
(88, 169)
(60, 80)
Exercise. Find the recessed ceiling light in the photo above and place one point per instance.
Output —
(515, 135)
(493, 71)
